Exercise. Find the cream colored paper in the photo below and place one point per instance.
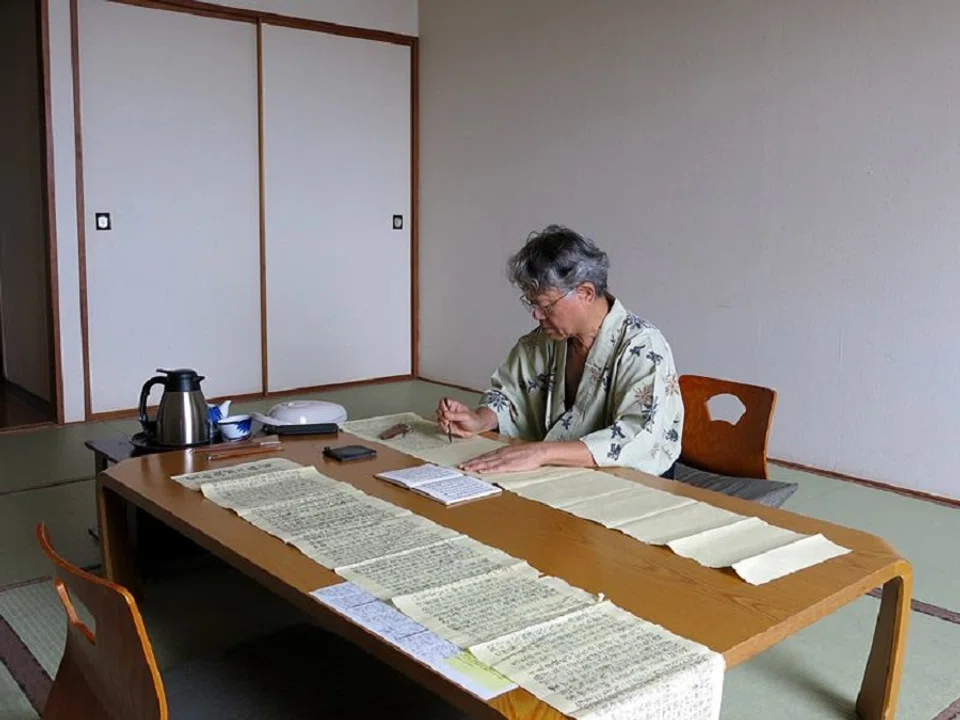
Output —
(426, 567)
(458, 452)
(634, 503)
(249, 493)
(563, 492)
(724, 546)
(330, 512)
(192, 481)
(424, 441)
(333, 547)
(603, 662)
(515, 480)
(776, 563)
(370, 428)
(491, 605)
(679, 522)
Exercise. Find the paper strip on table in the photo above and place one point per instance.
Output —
(273, 488)
(415, 640)
(334, 548)
(634, 503)
(679, 522)
(427, 567)
(724, 546)
(603, 662)
(565, 491)
(805, 552)
(192, 481)
(491, 605)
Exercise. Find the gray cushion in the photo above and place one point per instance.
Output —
(298, 672)
(771, 493)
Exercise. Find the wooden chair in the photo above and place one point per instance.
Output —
(110, 672)
(723, 457)
(717, 446)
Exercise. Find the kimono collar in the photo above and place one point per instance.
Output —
(611, 327)
(611, 330)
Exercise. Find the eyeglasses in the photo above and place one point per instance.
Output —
(545, 309)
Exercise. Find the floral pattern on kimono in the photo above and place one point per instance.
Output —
(628, 409)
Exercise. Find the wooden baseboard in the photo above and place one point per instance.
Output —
(129, 413)
(19, 429)
(875, 484)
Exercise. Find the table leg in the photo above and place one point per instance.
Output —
(881, 679)
(116, 542)
(100, 462)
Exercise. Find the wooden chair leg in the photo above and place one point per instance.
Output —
(881, 679)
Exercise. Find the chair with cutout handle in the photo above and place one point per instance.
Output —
(109, 671)
(726, 457)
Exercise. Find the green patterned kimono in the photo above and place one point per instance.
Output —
(628, 410)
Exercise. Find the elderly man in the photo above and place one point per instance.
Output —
(593, 385)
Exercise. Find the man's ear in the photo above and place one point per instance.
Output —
(587, 291)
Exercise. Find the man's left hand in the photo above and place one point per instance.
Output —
(512, 458)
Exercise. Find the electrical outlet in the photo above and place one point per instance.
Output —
(102, 221)
(398, 222)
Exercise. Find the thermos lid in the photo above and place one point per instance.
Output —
(181, 380)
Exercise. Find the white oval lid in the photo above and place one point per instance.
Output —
(308, 412)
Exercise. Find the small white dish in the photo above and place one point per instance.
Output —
(235, 427)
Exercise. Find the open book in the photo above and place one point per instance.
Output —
(442, 484)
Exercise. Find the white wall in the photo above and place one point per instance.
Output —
(775, 182)
(390, 15)
(399, 16)
(24, 289)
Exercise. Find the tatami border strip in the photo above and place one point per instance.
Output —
(951, 713)
(25, 669)
(926, 608)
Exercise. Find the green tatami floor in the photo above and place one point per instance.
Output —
(812, 675)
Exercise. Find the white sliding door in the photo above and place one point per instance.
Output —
(337, 169)
(170, 150)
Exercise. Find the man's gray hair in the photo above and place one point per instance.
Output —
(558, 258)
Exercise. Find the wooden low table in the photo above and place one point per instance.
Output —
(712, 607)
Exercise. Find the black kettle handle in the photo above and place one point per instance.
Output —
(144, 395)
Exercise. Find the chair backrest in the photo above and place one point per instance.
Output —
(717, 446)
(109, 672)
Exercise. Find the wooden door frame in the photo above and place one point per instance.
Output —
(257, 18)
(48, 199)
(50, 208)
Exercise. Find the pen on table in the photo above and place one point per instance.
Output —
(264, 441)
(255, 450)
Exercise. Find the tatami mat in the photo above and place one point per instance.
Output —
(68, 510)
(13, 703)
(816, 673)
(36, 615)
(925, 533)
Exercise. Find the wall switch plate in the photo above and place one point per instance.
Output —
(102, 221)
(398, 222)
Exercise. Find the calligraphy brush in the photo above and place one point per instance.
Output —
(446, 405)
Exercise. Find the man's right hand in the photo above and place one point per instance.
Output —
(458, 419)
